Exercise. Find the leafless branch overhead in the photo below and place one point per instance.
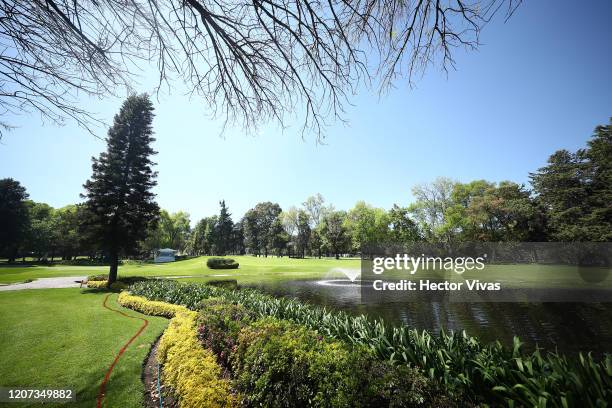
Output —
(250, 61)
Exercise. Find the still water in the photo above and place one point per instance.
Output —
(566, 327)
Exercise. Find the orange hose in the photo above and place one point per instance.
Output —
(101, 392)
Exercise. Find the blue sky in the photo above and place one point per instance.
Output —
(539, 83)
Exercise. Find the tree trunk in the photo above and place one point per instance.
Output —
(114, 266)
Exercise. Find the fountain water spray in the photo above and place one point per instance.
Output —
(351, 274)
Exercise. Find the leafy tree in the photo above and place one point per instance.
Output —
(430, 209)
(40, 238)
(237, 241)
(224, 228)
(71, 240)
(280, 238)
(484, 211)
(403, 228)
(253, 235)
(314, 207)
(195, 243)
(334, 233)
(316, 241)
(13, 217)
(367, 225)
(289, 219)
(303, 232)
(171, 231)
(119, 196)
(502, 213)
(175, 229)
(258, 226)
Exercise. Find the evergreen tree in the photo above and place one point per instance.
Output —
(120, 202)
(224, 228)
(13, 217)
(576, 190)
(598, 157)
(561, 189)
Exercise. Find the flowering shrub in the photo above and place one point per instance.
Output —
(149, 307)
(97, 284)
(101, 281)
(280, 364)
(219, 324)
(191, 370)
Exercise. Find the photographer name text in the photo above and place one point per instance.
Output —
(429, 285)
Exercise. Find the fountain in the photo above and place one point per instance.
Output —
(353, 277)
(352, 274)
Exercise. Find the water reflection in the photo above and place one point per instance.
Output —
(566, 327)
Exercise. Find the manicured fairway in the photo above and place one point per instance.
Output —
(64, 338)
(250, 268)
(260, 270)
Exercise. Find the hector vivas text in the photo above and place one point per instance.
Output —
(412, 264)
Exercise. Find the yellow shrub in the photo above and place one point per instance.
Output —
(149, 307)
(191, 370)
(97, 284)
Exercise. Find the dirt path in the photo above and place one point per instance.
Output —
(47, 283)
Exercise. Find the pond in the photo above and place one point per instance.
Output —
(566, 327)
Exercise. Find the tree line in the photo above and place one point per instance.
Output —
(570, 200)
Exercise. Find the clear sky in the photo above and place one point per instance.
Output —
(539, 83)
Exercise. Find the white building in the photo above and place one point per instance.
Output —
(164, 255)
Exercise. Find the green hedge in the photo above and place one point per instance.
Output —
(484, 372)
(221, 263)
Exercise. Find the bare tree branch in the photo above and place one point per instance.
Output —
(251, 61)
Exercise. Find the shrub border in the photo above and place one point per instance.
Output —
(191, 370)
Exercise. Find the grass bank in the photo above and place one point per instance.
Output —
(64, 338)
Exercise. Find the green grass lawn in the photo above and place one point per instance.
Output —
(259, 269)
(251, 268)
(64, 338)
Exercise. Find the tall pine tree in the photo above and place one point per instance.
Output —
(225, 225)
(120, 203)
(576, 190)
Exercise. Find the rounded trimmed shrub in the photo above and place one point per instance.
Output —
(222, 263)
